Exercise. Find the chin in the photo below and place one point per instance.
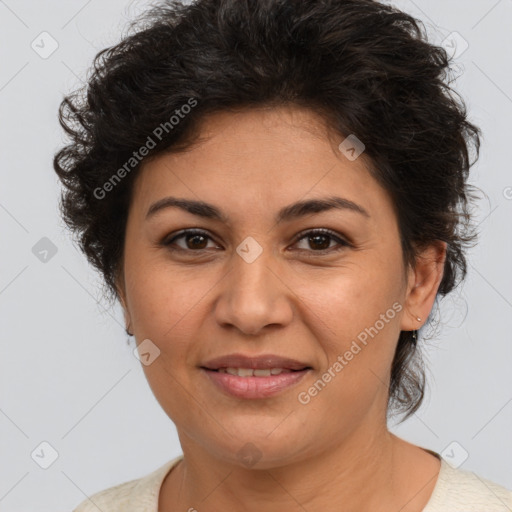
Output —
(261, 447)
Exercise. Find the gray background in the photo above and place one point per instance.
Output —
(67, 374)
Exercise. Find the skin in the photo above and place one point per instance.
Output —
(295, 300)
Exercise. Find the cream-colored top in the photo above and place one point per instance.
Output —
(456, 490)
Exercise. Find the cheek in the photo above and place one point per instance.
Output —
(355, 316)
(161, 297)
(169, 307)
(165, 308)
(347, 302)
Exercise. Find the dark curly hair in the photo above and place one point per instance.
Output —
(366, 67)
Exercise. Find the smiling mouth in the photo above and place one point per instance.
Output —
(250, 376)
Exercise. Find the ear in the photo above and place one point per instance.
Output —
(423, 282)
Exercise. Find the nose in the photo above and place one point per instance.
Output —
(253, 296)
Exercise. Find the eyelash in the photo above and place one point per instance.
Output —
(301, 236)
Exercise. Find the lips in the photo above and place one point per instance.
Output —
(246, 377)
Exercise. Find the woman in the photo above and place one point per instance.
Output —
(276, 192)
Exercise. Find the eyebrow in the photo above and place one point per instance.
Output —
(288, 213)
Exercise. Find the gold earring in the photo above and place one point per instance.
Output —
(414, 338)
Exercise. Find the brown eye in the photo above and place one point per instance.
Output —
(320, 240)
(196, 241)
(193, 240)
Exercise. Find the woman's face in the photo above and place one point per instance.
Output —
(251, 283)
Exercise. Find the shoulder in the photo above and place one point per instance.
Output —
(140, 494)
(458, 489)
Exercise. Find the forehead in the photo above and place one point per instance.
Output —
(256, 159)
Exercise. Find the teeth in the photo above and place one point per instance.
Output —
(249, 372)
(262, 373)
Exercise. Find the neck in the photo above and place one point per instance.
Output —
(363, 472)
